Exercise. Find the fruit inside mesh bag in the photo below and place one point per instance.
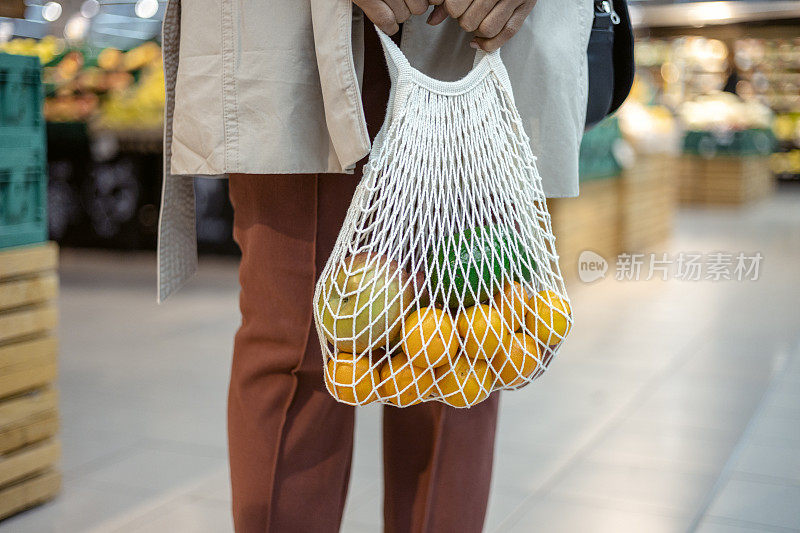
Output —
(469, 267)
(481, 331)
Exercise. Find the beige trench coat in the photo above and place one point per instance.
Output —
(272, 87)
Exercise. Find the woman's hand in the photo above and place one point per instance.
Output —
(389, 14)
(493, 21)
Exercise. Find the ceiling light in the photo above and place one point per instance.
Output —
(51, 11)
(146, 8)
(90, 8)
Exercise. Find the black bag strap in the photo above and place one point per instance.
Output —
(623, 53)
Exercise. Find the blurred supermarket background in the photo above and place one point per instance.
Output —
(675, 405)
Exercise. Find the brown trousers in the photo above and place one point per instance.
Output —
(290, 442)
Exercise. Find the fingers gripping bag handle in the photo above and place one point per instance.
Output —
(444, 282)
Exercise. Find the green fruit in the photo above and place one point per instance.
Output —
(472, 266)
(363, 305)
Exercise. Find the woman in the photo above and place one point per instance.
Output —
(283, 98)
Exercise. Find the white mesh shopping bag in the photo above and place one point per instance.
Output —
(444, 282)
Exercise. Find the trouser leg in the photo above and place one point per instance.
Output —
(290, 443)
(438, 466)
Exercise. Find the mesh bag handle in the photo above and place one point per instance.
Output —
(402, 74)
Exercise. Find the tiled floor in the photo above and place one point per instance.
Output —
(675, 406)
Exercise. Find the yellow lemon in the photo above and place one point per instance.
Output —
(404, 384)
(465, 382)
(351, 379)
(481, 327)
(429, 337)
(521, 361)
(549, 317)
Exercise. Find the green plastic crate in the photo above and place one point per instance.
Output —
(23, 158)
(597, 160)
(20, 92)
(23, 199)
(741, 143)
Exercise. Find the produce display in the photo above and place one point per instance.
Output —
(689, 72)
(111, 88)
(649, 129)
(785, 162)
(401, 340)
(770, 71)
(765, 70)
(141, 104)
(723, 123)
(46, 49)
(683, 68)
(723, 110)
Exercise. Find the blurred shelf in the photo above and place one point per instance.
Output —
(12, 8)
(695, 14)
(146, 140)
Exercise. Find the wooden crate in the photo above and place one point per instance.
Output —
(588, 222)
(29, 445)
(648, 199)
(12, 9)
(724, 180)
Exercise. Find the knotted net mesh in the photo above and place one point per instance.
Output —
(444, 283)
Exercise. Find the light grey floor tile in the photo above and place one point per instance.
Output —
(183, 515)
(527, 471)
(723, 394)
(154, 470)
(786, 395)
(725, 525)
(87, 448)
(563, 431)
(768, 460)
(78, 508)
(190, 425)
(776, 430)
(355, 527)
(555, 515)
(365, 508)
(368, 449)
(526, 467)
(644, 489)
(654, 444)
(729, 359)
(502, 503)
(759, 503)
(685, 413)
(217, 486)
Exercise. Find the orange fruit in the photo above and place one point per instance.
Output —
(465, 382)
(481, 327)
(351, 381)
(521, 361)
(404, 384)
(549, 317)
(429, 338)
(511, 303)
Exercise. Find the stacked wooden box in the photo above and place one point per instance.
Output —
(588, 222)
(647, 202)
(12, 9)
(724, 180)
(29, 446)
